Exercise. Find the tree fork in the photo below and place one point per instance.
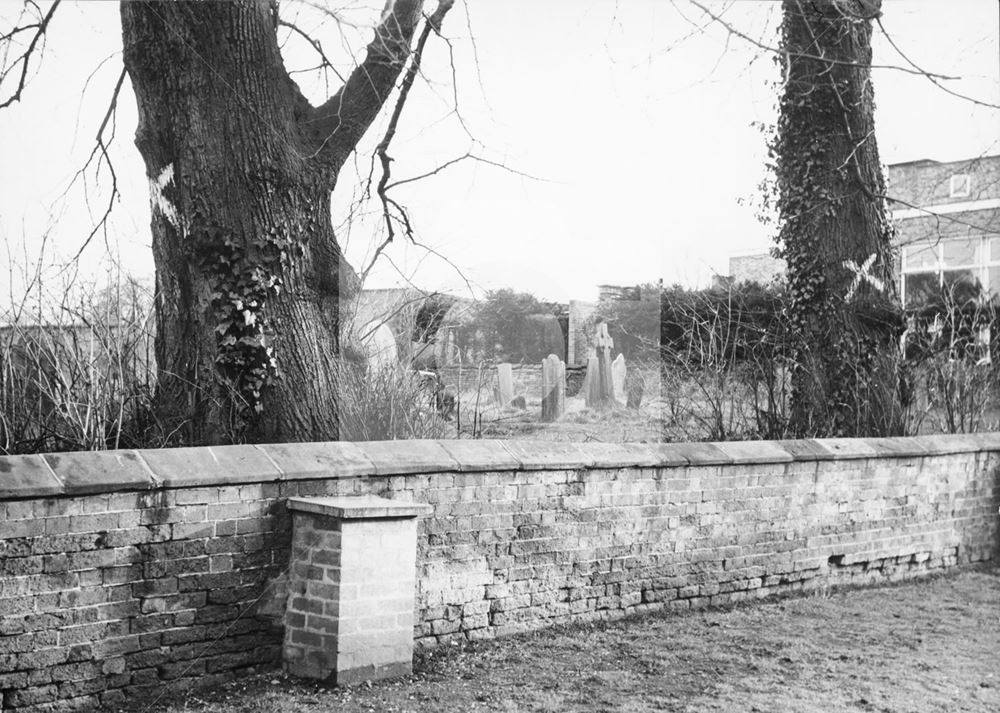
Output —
(249, 275)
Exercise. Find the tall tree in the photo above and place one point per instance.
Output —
(834, 230)
(249, 275)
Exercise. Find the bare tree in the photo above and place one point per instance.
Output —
(249, 275)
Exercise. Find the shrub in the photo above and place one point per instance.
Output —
(950, 376)
(511, 326)
(76, 372)
(385, 403)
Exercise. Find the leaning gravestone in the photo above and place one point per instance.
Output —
(553, 388)
(618, 379)
(505, 379)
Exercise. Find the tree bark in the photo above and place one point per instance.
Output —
(834, 231)
(249, 275)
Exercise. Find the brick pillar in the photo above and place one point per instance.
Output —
(351, 588)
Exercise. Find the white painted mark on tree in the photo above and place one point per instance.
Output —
(159, 200)
(862, 273)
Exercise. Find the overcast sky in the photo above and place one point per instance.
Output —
(639, 127)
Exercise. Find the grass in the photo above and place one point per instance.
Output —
(923, 646)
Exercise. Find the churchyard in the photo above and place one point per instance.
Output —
(282, 476)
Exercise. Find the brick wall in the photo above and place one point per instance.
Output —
(130, 575)
(927, 182)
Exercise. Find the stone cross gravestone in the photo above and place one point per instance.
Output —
(604, 343)
(553, 388)
(505, 380)
(618, 378)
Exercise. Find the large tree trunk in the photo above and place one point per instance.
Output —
(835, 234)
(249, 276)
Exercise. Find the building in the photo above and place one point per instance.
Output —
(754, 267)
(947, 219)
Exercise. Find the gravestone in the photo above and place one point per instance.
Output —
(553, 388)
(635, 391)
(618, 379)
(604, 343)
(505, 379)
(592, 384)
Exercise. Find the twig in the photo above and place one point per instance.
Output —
(25, 57)
(758, 43)
(433, 23)
(100, 150)
(932, 78)
(326, 63)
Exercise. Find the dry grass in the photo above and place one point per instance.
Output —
(919, 647)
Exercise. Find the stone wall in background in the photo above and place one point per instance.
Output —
(761, 268)
(140, 573)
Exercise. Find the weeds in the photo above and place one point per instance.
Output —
(386, 403)
(76, 373)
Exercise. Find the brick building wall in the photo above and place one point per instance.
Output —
(928, 185)
(927, 207)
(947, 219)
(136, 574)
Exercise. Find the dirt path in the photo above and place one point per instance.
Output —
(921, 647)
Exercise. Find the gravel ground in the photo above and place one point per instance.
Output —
(932, 645)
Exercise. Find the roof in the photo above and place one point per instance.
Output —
(933, 162)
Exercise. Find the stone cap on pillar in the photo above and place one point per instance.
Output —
(359, 507)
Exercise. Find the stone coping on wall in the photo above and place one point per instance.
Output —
(359, 507)
(89, 472)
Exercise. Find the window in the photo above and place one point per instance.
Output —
(955, 263)
(960, 185)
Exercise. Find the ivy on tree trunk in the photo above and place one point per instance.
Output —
(249, 275)
(835, 235)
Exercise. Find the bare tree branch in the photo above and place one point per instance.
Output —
(325, 62)
(342, 120)
(433, 23)
(770, 48)
(465, 157)
(24, 59)
(100, 152)
(932, 78)
(940, 218)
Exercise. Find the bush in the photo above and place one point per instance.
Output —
(511, 326)
(950, 375)
(386, 403)
(724, 354)
(76, 373)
